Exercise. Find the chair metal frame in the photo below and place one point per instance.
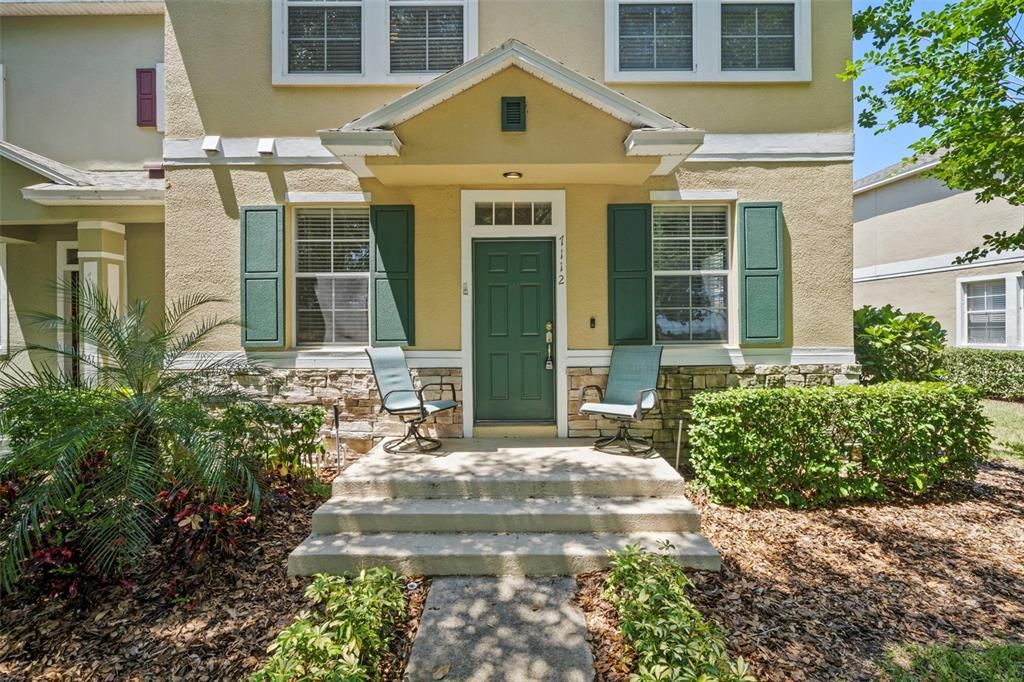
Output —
(412, 417)
(635, 445)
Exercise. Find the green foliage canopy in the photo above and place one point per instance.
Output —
(895, 346)
(958, 71)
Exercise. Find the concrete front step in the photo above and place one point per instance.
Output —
(538, 515)
(514, 468)
(487, 553)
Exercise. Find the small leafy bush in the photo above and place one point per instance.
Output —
(282, 437)
(343, 638)
(895, 346)
(668, 636)
(996, 373)
(201, 526)
(805, 447)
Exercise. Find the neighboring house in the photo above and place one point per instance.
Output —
(908, 230)
(454, 175)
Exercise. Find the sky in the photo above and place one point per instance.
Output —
(874, 152)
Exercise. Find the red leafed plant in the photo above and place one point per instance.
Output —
(202, 527)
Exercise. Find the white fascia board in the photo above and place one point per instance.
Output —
(667, 142)
(931, 264)
(328, 197)
(897, 177)
(64, 195)
(512, 53)
(694, 195)
(244, 151)
(361, 142)
(725, 147)
(13, 153)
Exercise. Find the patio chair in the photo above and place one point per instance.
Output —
(399, 398)
(632, 392)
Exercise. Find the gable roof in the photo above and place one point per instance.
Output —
(58, 172)
(512, 53)
(897, 171)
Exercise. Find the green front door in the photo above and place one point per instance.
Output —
(513, 300)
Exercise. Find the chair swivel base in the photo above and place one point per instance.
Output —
(412, 435)
(634, 445)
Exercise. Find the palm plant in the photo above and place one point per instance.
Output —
(135, 425)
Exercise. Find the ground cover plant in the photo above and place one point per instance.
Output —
(113, 458)
(977, 663)
(805, 447)
(996, 373)
(666, 636)
(345, 636)
(891, 345)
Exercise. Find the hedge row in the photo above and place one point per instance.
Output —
(804, 447)
(996, 373)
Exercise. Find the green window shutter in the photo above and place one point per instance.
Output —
(513, 114)
(262, 287)
(760, 228)
(391, 276)
(630, 278)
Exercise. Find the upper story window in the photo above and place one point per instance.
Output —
(758, 37)
(655, 37)
(706, 41)
(370, 42)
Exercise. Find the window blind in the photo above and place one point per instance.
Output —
(655, 37)
(325, 37)
(426, 39)
(758, 37)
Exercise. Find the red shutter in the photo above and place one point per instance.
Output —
(145, 96)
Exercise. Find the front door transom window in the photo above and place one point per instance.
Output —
(525, 213)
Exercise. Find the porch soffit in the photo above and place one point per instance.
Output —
(664, 141)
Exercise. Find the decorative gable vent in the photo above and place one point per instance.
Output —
(513, 114)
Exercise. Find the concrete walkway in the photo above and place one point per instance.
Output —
(503, 629)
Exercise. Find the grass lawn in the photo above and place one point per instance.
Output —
(979, 663)
(1007, 427)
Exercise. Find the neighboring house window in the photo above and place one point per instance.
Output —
(758, 37)
(325, 37)
(691, 272)
(399, 42)
(707, 41)
(655, 37)
(986, 311)
(426, 39)
(332, 266)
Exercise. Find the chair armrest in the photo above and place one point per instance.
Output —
(442, 384)
(640, 411)
(583, 393)
(384, 398)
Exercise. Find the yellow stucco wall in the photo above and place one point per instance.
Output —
(203, 250)
(70, 87)
(222, 85)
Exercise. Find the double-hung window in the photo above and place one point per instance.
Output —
(707, 40)
(990, 310)
(332, 275)
(400, 42)
(691, 273)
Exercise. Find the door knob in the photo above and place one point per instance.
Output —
(549, 363)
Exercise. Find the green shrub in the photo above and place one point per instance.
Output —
(803, 447)
(996, 373)
(282, 437)
(895, 346)
(344, 637)
(668, 636)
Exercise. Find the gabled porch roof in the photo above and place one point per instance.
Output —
(651, 134)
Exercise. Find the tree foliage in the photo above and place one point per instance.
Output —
(895, 346)
(959, 72)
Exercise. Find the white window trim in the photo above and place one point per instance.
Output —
(3, 118)
(1014, 313)
(292, 238)
(556, 231)
(161, 104)
(707, 46)
(731, 278)
(375, 46)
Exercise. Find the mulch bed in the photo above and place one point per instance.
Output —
(823, 594)
(612, 660)
(214, 624)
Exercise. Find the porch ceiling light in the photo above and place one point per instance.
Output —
(512, 175)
